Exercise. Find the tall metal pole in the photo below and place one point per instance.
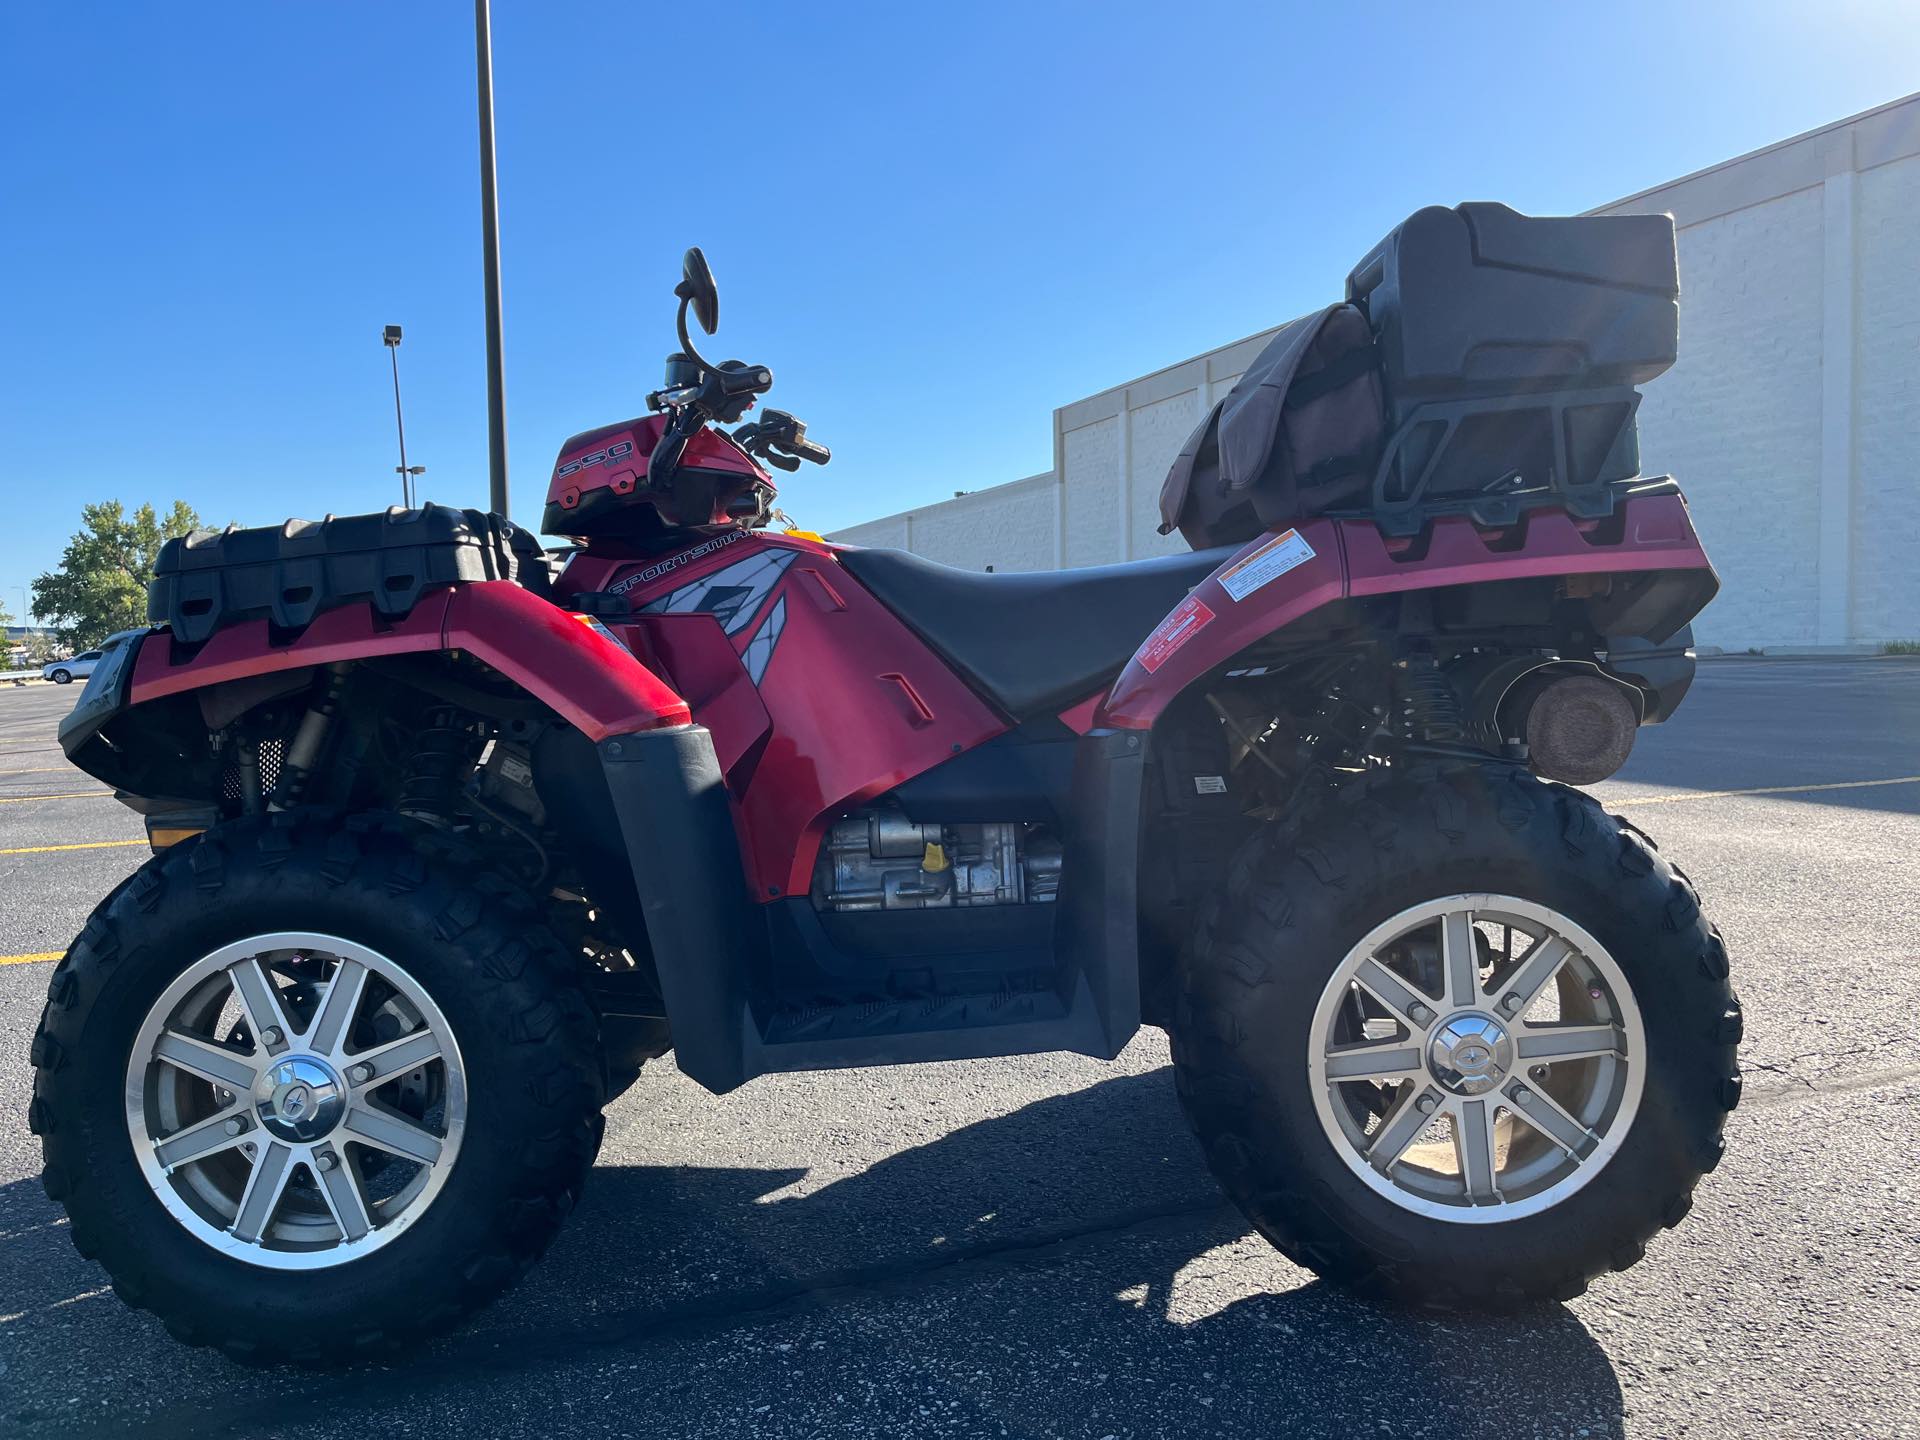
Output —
(490, 230)
(400, 424)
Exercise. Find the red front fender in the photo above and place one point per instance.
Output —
(590, 681)
(1272, 586)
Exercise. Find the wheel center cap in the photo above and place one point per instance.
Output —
(1470, 1054)
(300, 1098)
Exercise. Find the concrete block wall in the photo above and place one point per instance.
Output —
(1737, 419)
(1792, 418)
(1008, 527)
(1886, 497)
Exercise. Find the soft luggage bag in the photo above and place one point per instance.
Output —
(1298, 434)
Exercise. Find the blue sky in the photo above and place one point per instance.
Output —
(934, 222)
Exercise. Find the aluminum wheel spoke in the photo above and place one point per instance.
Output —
(1386, 987)
(1473, 1142)
(1380, 1063)
(1405, 1121)
(341, 1190)
(1543, 1113)
(333, 1022)
(1460, 957)
(198, 1142)
(384, 1130)
(266, 1017)
(396, 1057)
(272, 1168)
(1537, 967)
(1568, 1042)
(211, 1061)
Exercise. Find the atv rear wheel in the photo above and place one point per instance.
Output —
(1461, 1038)
(310, 1089)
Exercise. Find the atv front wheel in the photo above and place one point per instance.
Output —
(1463, 1039)
(310, 1089)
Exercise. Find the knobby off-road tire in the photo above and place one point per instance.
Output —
(499, 981)
(1299, 898)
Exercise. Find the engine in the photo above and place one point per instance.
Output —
(881, 860)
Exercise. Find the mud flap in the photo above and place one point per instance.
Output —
(679, 835)
(1099, 933)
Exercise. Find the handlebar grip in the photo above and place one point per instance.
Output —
(811, 450)
(747, 380)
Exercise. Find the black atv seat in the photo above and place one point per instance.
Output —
(1037, 640)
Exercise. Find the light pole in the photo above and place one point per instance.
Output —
(490, 262)
(391, 338)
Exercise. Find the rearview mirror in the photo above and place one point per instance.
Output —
(696, 287)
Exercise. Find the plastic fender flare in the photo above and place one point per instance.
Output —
(576, 669)
(1351, 559)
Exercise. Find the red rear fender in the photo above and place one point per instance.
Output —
(1273, 581)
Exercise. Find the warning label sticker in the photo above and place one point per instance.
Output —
(1272, 560)
(1183, 622)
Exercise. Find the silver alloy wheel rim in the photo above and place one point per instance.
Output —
(295, 1100)
(1528, 1064)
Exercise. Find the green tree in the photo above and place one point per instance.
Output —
(101, 584)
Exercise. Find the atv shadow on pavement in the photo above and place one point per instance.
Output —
(1066, 1269)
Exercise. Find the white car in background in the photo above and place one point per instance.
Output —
(78, 668)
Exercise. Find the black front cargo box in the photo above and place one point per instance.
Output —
(290, 573)
(1495, 371)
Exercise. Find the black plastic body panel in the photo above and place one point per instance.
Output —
(105, 694)
(1663, 673)
(1024, 774)
(751, 989)
(672, 806)
(290, 573)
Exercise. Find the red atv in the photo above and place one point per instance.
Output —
(450, 838)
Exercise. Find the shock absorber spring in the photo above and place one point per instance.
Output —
(1429, 707)
(437, 765)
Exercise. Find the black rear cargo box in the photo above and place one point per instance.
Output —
(290, 573)
(1481, 300)
(1494, 371)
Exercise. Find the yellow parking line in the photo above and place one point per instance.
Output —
(82, 845)
(63, 795)
(1767, 790)
(41, 770)
(39, 959)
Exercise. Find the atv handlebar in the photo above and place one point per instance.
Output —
(698, 392)
(781, 439)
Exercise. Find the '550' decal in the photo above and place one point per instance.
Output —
(598, 457)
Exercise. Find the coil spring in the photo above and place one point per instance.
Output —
(437, 765)
(1429, 708)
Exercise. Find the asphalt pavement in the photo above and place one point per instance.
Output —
(1032, 1247)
